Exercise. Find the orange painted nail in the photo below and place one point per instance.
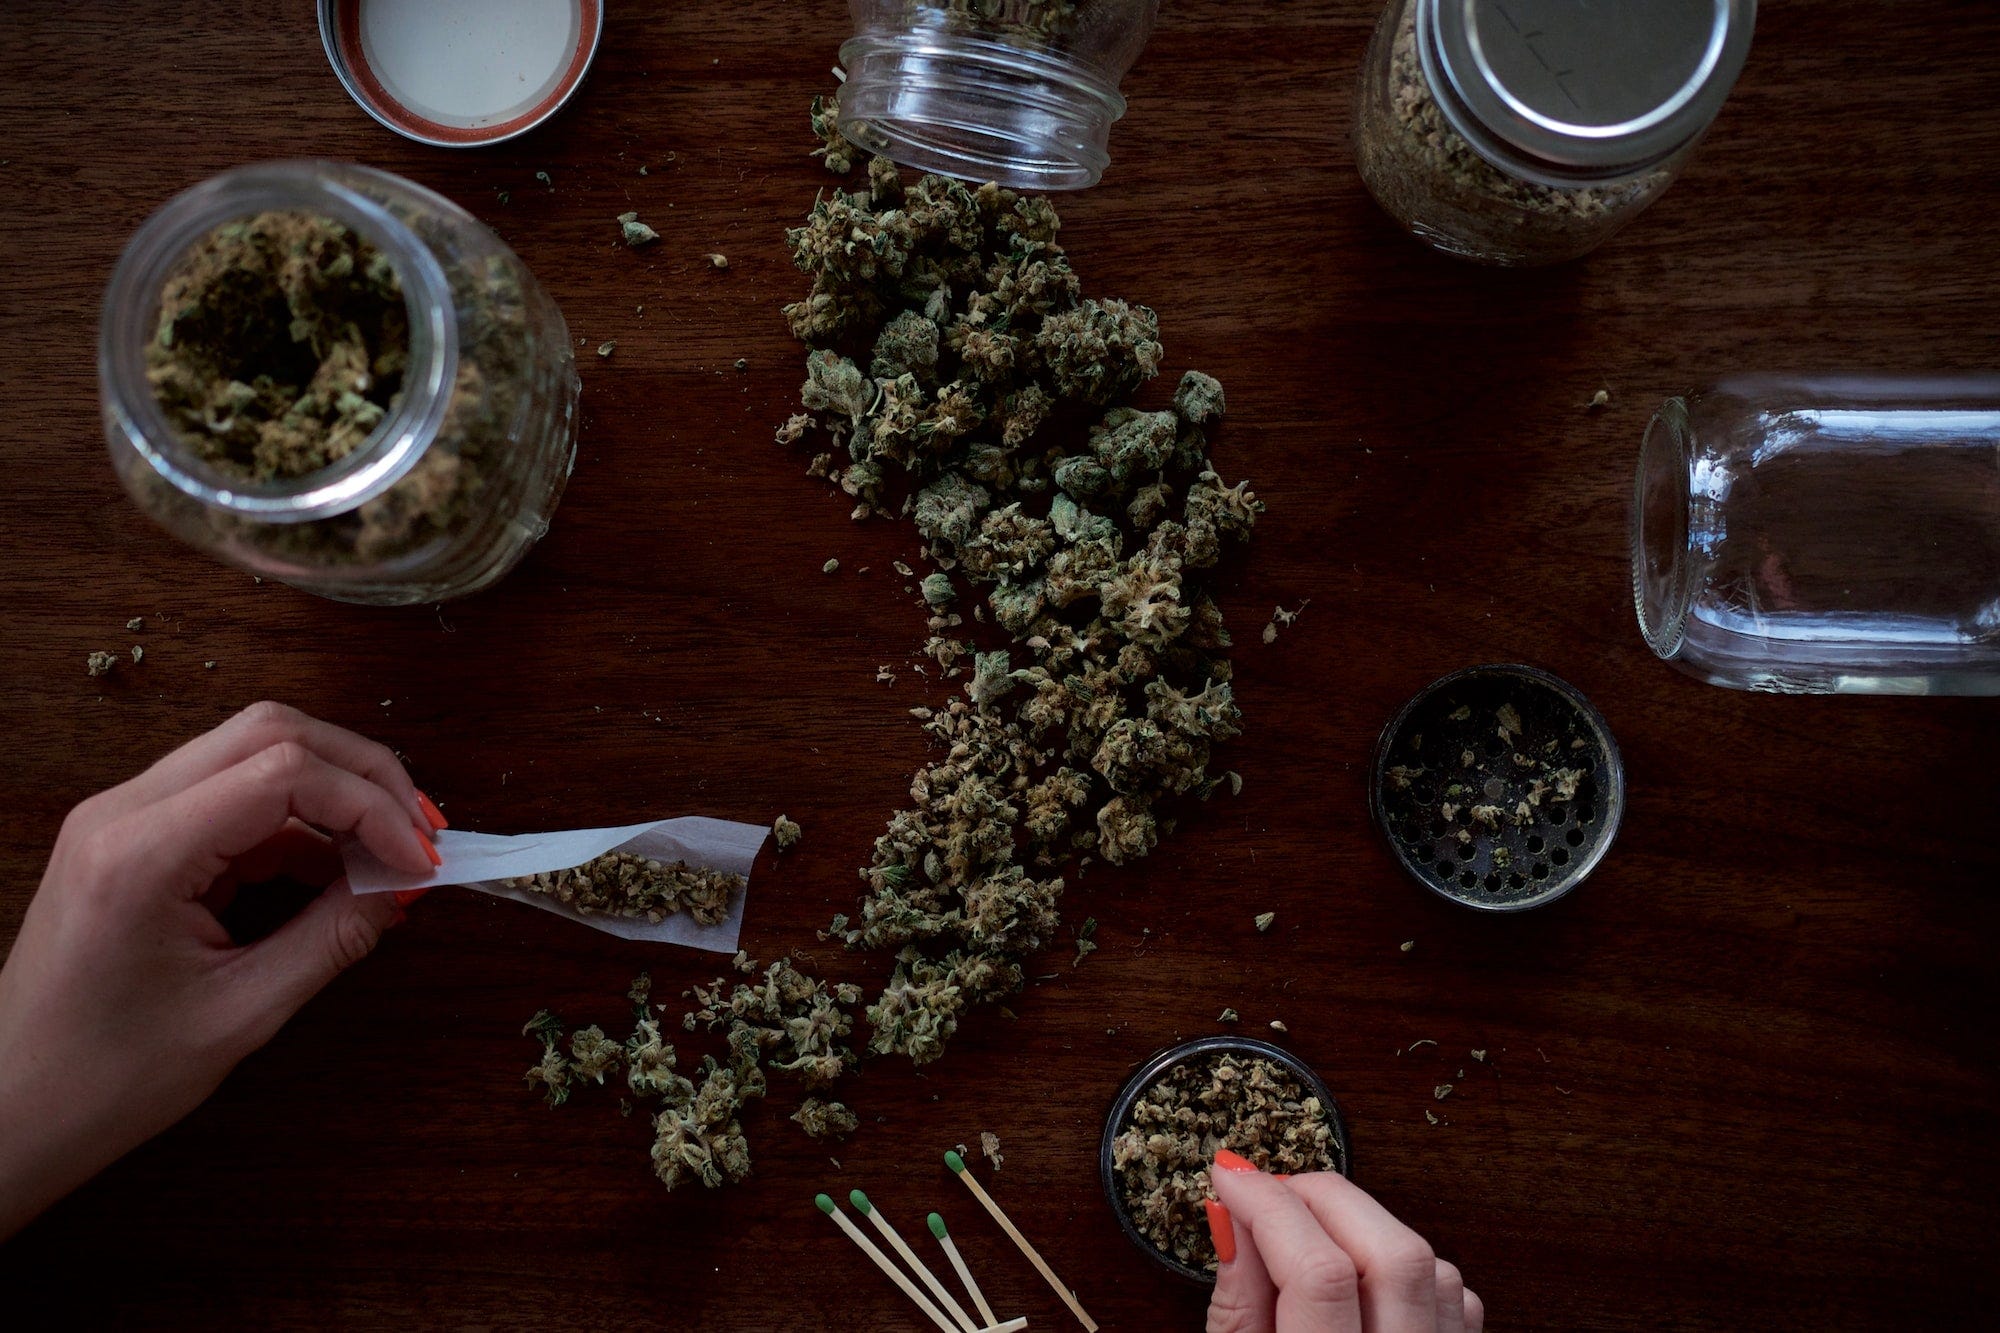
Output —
(1221, 1231)
(1229, 1161)
(432, 813)
(404, 897)
(430, 849)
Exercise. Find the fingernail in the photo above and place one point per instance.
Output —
(1220, 1231)
(404, 897)
(430, 849)
(432, 813)
(1229, 1161)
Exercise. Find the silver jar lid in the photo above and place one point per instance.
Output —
(1563, 91)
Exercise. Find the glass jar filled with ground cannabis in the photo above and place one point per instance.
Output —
(329, 376)
(1022, 92)
(1529, 132)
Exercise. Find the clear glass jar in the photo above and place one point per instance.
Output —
(1529, 133)
(1023, 92)
(1819, 536)
(466, 467)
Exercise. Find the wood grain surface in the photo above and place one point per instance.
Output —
(1746, 1077)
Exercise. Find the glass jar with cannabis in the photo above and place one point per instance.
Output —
(1020, 92)
(329, 376)
(1528, 133)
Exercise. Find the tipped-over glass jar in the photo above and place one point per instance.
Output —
(1022, 92)
(1529, 132)
(1821, 536)
(332, 377)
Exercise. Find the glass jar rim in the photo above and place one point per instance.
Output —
(1663, 572)
(391, 449)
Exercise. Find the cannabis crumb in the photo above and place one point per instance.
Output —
(135, 624)
(718, 261)
(549, 180)
(138, 652)
(606, 348)
(1264, 920)
(825, 1120)
(636, 233)
(1160, 1158)
(1278, 1025)
(1407, 945)
(1228, 1016)
(629, 885)
(989, 1143)
(208, 665)
(829, 567)
(1085, 945)
(1602, 398)
(786, 832)
(1479, 1056)
(101, 664)
(1441, 1091)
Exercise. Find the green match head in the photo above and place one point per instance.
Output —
(937, 1226)
(955, 1162)
(825, 1204)
(859, 1200)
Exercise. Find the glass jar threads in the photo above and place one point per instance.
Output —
(329, 376)
(1528, 132)
(1023, 92)
(1819, 536)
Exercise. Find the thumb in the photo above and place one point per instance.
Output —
(295, 962)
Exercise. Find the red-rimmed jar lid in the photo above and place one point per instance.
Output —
(461, 73)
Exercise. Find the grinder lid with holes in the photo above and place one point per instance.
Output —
(1498, 787)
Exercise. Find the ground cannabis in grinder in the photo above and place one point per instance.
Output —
(1249, 1104)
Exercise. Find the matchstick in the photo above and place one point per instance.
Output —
(827, 1206)
(889, 1233)
(957, 1165)
(1011, 1326)
(964, 1274)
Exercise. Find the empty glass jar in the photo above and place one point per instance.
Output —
(1529, 132)
(1829, 535)
(1023, 92)
(471, 429)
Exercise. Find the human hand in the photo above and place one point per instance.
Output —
(124, 1002)
(1315, 1254)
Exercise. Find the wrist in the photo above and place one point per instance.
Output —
(53, 1136)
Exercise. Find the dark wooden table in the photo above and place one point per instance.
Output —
(1745, 1078)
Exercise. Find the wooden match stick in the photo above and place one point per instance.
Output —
(964, 1274)
(827, 1206)
(1011, 1326)
(889, 1233)
(957, 1165)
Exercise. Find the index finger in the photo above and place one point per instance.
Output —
(1397, 1266)
(194, 835)
(1317, 1284)
(254, 730)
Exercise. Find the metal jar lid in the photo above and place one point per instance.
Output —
(1566, 91)
(461, 73)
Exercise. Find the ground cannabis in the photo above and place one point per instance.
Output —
(635, 232)
(101, 664)
(1248, 1104)
(626, 884)
(1264, 920)
(1423, 170)
(989, 1143)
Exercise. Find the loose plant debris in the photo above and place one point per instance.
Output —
(989, 1143)
(824, 1119)
(1248, 1104)
(626, 884)
(1264, 920)
(785, 832)
(635, 232)
(101, 664)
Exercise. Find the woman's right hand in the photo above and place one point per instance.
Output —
(1315, 1254)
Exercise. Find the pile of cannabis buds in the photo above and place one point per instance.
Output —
(959, 375)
